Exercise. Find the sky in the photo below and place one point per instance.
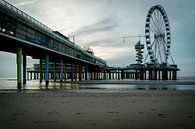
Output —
(101, 24)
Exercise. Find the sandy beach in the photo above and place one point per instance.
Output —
(60, 109)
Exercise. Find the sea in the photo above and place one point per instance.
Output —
(10, 84)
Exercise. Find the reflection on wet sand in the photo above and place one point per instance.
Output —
(52, 86)
(150, 87)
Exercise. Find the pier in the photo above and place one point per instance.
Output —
(61, 59)
(25, 36)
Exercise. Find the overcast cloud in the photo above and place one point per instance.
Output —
(101, 24)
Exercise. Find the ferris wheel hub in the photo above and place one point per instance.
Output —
(161, 35)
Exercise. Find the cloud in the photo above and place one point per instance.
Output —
(112, 52)
(107, 24)
(26, 2)
(101, 42)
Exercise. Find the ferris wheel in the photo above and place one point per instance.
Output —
(158, 35)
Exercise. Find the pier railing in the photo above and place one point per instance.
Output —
(23, 14)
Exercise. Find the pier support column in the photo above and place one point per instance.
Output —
(75, 72)
(86, 72)
(95, 74)
(27, 75)
(104, 76)
(80, 72)
(109, 75)
(65, 72)
(164, 74)
(91, 74)
(174, 76)
(122, 74)
(118, 73)
(19, 67)
(47, 70)
(141, 75)
(136, 75)
(150, 74)
(61, 70)
(37, 75)
(154, 74)
(127, 75)
(72, 72)
(55, 74)
(144, 74)
(159, 75)
(24, 69)
(40, 70)
(169, 75)
(30, 75)
(34, 75)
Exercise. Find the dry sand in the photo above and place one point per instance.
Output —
(61, 109)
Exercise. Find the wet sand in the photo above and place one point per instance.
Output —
(61, 109)
(138, 82)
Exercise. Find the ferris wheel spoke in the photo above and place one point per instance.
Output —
(164, 49)
(155, 51)
(156, 16)
(153, 43)
(146, 57)
(155, 25)
(161, 24)
(153, 29)
(159, 52)
(160, 21)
